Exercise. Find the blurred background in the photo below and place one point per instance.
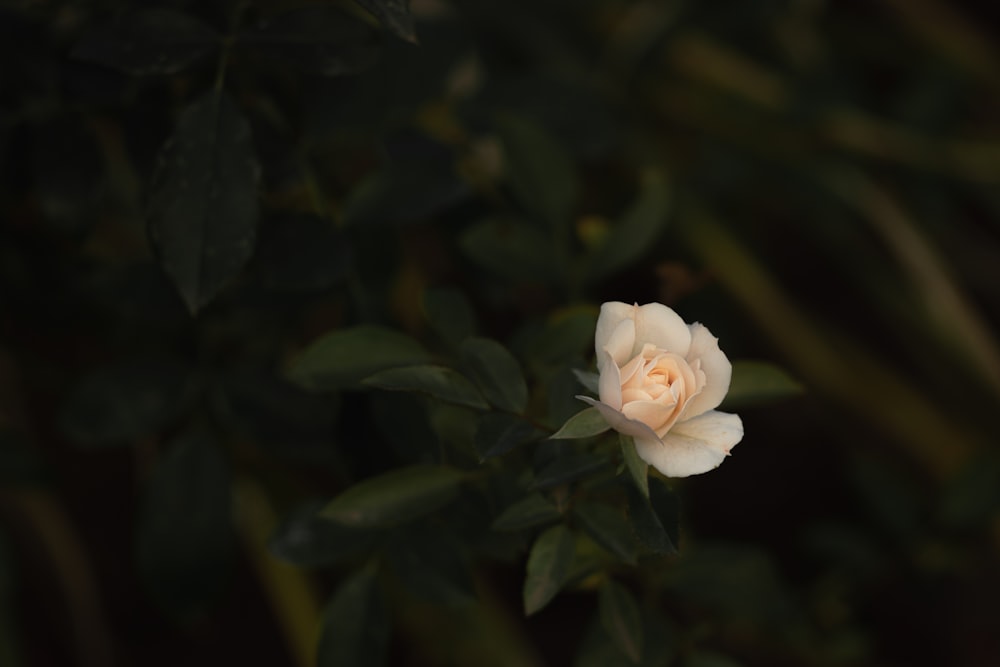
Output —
(192, 193)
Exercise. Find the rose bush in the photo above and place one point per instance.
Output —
(660, 382)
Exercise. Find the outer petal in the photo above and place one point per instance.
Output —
(612, 313)
(661, 326)
(718, 372)
(620, 422)
(609, 386)
(650, 413)
(620, 343)
(719, 430)
(698, 448)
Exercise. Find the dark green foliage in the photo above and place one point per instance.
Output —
(395, 497)
(203, 204)
(548, 565)
(355, 630)
(184, 539)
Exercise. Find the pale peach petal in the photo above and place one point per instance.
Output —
(652, 414)
(609, 385)
(620, 422)
(678, 456)
(716, 367)
(630, 374)
(720, 430)
(612, 314)
(620, 343)
(661, 326)
(634, 394)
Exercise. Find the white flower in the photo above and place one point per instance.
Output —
(660, 382)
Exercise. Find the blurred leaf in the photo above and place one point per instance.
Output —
(403, 421)
(607, 526)
(449, 313)
(430, 562)
(636, 232)
(394, 15)
(529, 512)
(279, 416)
(394, 497)
(599, 649)
(758, 382)
(184, 540)
(355, 630)
(498, 433)
(620, 617)
(540, 173)
(647, 523)
(343, 358)
(438, 381)
(302, 253)
(548, 565)
(973, 497)
(567, 335)
(308, 540)
(509, 248)
(590, 381)
(406, 191)
(68, 171)
(148, 41)
(569, 467)
(584, 424)
(203, 203)
(637, 468)
(496, 372)
(321, 40)
(117, 404)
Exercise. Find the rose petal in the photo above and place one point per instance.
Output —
(718, 372)
(719, 430)
(609, 385)
(661, 326)
(652, 414)
(678, 456)
(612, 314)
(620, 343)
(620, 422)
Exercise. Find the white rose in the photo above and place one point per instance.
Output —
(660, 382)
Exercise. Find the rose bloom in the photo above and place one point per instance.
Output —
(660, 382)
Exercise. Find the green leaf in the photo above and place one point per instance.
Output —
(510, 249)
(203, 206)
(431, 563)
(308, 540)
(607, 526)
(548, 565)
(529, 512)
(438, 381)
(759, 382)
(343, 358)
(585, 424)
(540, 173)
(620, 618)
(636, 232)
(498, 433)
(300, 253)
(449, 313)
(184, 540)
(117, 404)
(637, 468)
(148, 41)
(395, 497)
(321, 40)
(355, 627)
(496, 372)
(394, 15)
(567, 468)
(646, 523)
(406, 191)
